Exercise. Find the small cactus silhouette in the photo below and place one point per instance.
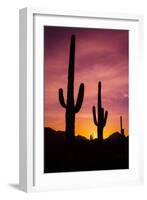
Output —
(91, 137)
(121, 129)
(71, 107)
(101, 117)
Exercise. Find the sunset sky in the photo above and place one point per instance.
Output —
(100, 55)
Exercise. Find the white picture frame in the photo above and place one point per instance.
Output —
(31, 100)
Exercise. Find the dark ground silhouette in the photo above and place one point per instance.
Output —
(83, 154)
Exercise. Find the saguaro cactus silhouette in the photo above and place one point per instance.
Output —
(101, 118)
(71, 107)
(121, 129)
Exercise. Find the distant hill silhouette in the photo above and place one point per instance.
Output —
(116, 138)
(84, 154)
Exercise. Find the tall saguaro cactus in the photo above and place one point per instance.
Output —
(101, 117)
(71, 107)
(121, 129)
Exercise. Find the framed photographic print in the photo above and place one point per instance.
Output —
(80, 114)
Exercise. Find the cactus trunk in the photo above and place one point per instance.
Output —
(100, 127)
(101, 117)
(70, 106)
(121, 127)
(100, 133)
(70, 124)
(70, 115)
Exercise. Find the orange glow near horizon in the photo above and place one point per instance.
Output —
(101, 55)
(91, 129)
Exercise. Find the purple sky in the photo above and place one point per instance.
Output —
(101, 55)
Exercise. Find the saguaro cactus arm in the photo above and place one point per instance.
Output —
(79, 98)
(104, 116)
(61, 98)
(94, 115)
